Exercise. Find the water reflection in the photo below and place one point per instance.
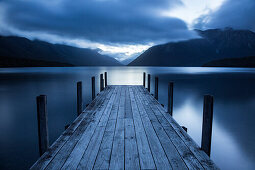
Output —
(233, 130)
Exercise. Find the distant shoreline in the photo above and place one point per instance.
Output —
(8, 62)
(242, 62)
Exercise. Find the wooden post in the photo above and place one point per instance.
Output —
(42, 118)
(67, 126)
(79, 98)
(207, 124)
(101, 82)
(93, 87)
(105, 78)
(149, 82)
(156, 88)
(185, 129)
(170, 98)
(144, 78)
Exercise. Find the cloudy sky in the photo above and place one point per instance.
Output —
(121, 28)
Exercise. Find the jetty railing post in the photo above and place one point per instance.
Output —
(207, 124)
(144, 78)
(93, 87)
(185, 129)
(156, 88)
(105, 78)
(149, 82)
(79, 98)
(170, 98)
(42, 118)
(101, 82)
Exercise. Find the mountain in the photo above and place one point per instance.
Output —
(129, 60)
(22, 48)
(214, 44)
(232, 62)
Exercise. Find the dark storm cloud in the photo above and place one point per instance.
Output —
(106, 21)
(238, 14)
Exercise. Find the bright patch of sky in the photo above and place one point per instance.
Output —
(190, 10)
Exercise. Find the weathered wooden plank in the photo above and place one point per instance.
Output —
(145, 156)
(128, 110)
(131, 153)
(115, 107)
(88, 159)
(121, 112)
(124, 128)
(104, 153)
(186, 154)
(90, 135)
(157, 150)
(43, 161)
(206, 162)
(165, 133)
(174, 157)
(65, 151)
(117, 155)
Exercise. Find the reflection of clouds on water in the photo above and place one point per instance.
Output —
(188, 115)
(225, 150)
(6, 116)
(132, 76)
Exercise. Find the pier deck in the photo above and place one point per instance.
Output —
(124, 128)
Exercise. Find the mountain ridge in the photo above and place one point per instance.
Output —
(214, 44)
(20, 47)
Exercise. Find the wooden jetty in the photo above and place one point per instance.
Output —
(124, 127)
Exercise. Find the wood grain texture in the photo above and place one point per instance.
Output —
(202, 157)
(172, 153)
(164, 129)
(124, 127)
(157, 150)
(104, 153)
(145, 155)
(117, 155)
(131, 153)
(44, 160)
(87, 127)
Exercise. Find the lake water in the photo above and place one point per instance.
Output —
(233, 140)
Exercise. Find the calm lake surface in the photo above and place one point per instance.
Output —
(233, 140)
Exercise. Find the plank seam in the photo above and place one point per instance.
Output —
(207, 163)
(147, 132)
(76, 124)
(105, 130)
(89, 116)
(115, 95)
